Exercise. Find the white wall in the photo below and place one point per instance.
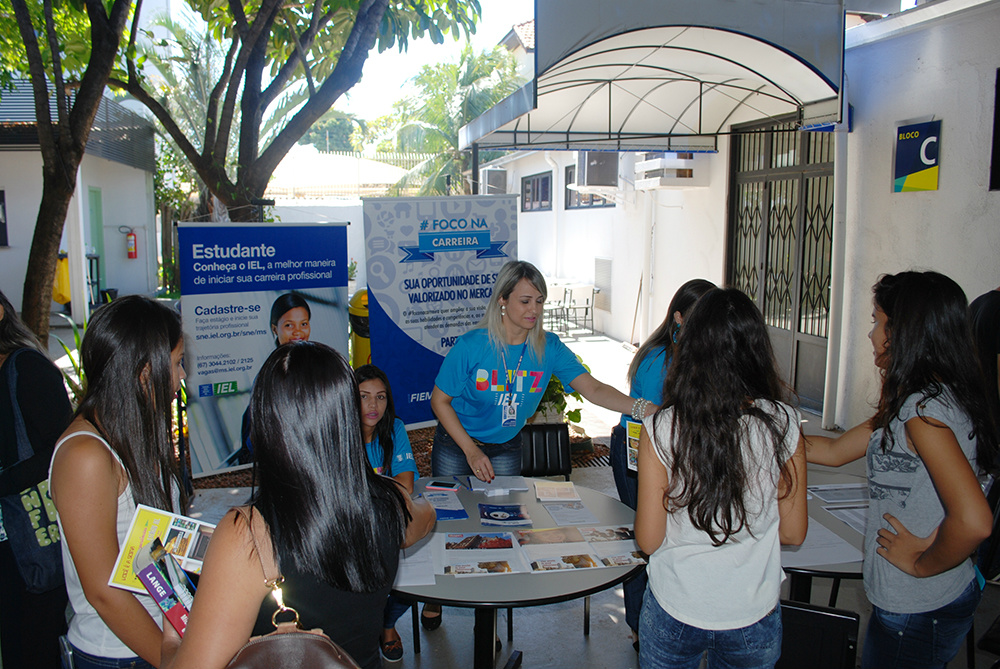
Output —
(945, 69)
(685, 227)
(21, 181)
(128, 202)
(127, 195)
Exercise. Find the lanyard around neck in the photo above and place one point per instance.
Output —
(509, 378)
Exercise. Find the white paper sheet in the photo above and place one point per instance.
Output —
(820, 547)
(841, 493)
(570, 513)
(855, 515)
(416, 564)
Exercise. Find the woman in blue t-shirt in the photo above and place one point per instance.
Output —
(389, 454)
(493, 378)
(646, 375)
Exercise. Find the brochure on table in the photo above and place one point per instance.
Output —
(534, 550)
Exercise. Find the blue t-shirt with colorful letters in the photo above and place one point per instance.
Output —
(473, 375)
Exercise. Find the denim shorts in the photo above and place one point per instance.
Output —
(919, 640)
(667, 643)
(83, 660)
(448, 458)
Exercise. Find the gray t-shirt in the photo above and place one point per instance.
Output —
(899, 484)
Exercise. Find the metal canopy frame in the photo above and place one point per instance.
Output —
(673, 88)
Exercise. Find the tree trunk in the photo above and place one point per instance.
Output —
(40, 275)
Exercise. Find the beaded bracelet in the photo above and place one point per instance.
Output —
(639, 409)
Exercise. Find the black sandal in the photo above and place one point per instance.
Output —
(430, 623)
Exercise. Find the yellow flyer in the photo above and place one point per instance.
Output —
(186, 538)
(633, 429)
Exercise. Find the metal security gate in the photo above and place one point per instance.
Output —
(780, 238)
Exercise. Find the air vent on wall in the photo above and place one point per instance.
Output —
(665, 169)
(493, 181)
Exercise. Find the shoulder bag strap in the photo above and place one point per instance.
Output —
(272, 576)
(24, 449)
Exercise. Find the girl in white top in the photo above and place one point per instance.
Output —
(721, 482)
(117, 452)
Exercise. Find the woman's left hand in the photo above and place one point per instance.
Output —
(903, 548)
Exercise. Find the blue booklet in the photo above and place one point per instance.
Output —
(504, 514)
(446, 504)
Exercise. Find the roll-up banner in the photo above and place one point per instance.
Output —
(432, 262)
(244, 289)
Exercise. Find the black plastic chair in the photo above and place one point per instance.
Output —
(545, 450)
(818, 637)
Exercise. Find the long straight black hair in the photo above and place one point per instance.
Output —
(931, 350)
(326, 509)
(128, 391)
(723, 369)
(664, 335)
(386, 426)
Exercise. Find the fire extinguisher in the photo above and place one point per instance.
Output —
(131, 243)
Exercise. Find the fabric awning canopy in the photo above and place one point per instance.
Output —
(673, 88)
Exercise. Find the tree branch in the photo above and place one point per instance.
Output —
(346, 73)
(284, 74)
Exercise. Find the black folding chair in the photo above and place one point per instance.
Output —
(818, 637)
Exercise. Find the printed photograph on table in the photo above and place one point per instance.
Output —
(485, 567)
(558, 535)
(610, 533)
(479, 541)
(245, 290)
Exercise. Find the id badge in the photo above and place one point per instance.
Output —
(509, 415)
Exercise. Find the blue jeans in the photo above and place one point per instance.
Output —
(628, 492)
(919, 640)
(83, 660)
(667, 643)
(448, 458)
(394, 609)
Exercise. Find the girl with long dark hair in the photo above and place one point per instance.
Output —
(333, 526)
(930, 436)
(389, 454)
(721, 482)
(646, 375)
(117, 452)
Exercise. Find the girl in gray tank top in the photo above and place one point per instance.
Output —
(930, 437)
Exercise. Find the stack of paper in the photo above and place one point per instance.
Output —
(555, 491)
(500, 485)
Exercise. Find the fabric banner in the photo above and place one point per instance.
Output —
(234, 281)
(432, 262)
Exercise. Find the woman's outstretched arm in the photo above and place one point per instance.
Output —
(607, 396)
(837, 451)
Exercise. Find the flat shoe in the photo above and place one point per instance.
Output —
(392, 651)
(430, 623)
